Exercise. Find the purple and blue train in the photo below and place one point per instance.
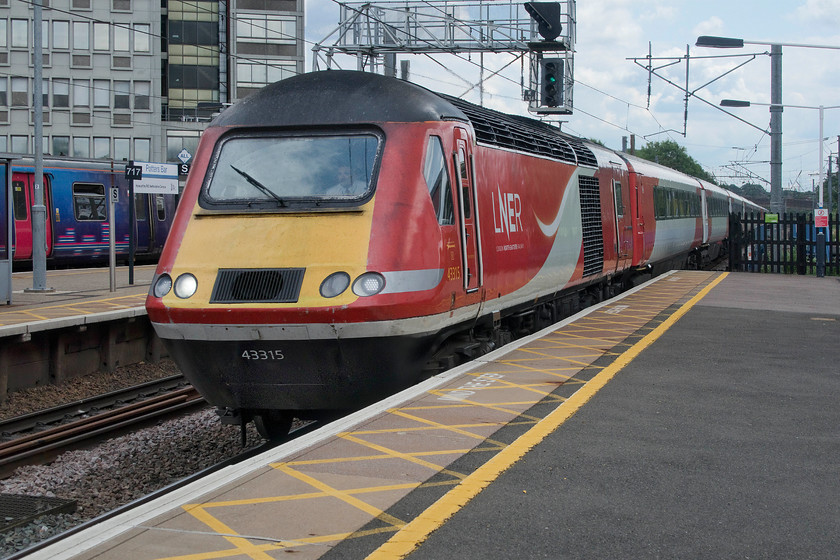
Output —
(77, 201)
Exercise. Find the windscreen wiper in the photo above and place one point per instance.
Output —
(262, 188)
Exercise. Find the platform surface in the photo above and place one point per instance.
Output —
(73, 297)
(694, 417)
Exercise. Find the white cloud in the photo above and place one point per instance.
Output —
(823, 12)
(712, 26)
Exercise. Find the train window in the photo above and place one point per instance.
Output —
(89, 202)
(19, 199)
(437, 180)
(160, 206)
(619, 202)
(141, 207)
(465, 182)
(269, 171)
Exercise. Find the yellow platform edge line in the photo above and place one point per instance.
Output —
(418, 530)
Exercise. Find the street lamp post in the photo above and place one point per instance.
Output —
(776, 106)
(821, 108)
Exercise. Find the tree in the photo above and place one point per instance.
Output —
(670, 154)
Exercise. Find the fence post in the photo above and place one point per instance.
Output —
(734, 239)
(801, 251)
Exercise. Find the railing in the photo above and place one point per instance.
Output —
(785, 246)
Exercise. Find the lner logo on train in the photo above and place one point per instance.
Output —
(508, 218)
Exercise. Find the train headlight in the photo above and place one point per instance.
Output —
(185, 286)
(369, 284)
(162, 285)
(335, 284)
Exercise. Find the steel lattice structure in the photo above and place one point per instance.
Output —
(375, 32)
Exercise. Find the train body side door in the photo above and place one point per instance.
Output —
(143, 227)
(467, 215)
(23, 196)
(161, 217)
(623, 220)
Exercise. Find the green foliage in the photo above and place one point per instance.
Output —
(670, 154)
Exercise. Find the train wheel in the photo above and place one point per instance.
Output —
(273, 425)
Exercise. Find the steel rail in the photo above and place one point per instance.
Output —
(49, 443)
(62, 413)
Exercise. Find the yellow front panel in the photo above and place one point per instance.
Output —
(320, 242)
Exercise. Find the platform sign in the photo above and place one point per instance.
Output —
(158, 178)
(821, 217)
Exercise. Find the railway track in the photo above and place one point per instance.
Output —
(79, 423)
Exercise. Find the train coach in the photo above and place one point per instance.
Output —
(341, 233)
(77, 226)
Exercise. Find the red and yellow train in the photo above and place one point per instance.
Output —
(340, 231)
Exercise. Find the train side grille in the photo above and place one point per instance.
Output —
(257, 285)
(593, 232)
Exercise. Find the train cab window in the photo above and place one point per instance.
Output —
(89, 202)
(19, 200)
(437, 180)
(160, 207)
(269, 171)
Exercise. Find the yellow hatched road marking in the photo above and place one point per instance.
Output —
(341, 495)
(418, 530)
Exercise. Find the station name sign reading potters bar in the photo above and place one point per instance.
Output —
(157, 178)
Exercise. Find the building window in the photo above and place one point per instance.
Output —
(121, 94)
(4, 85)
(180, 140)
(3, 144)
(81, 93)
(258, 74)
(61, 93)
(101, 93)
(45, 93)
(101, 36)
(142, 149)
(142, 37)
(122, 147)
(61, 145)
(269, 29)
(20, 33)
(142, 95)
(81, 36)
(4, 33)
(101, 147)
(45, 35)
(121, 38)
(81, 147)
(20, 144)
(61, 34)
(20, 92)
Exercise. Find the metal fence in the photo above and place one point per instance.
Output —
(785, 246)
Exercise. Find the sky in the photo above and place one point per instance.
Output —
(611, 92)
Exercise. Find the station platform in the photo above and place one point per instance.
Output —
(74, 296)
(694, 416)
(75, 327)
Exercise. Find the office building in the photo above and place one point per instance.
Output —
(138, 79)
